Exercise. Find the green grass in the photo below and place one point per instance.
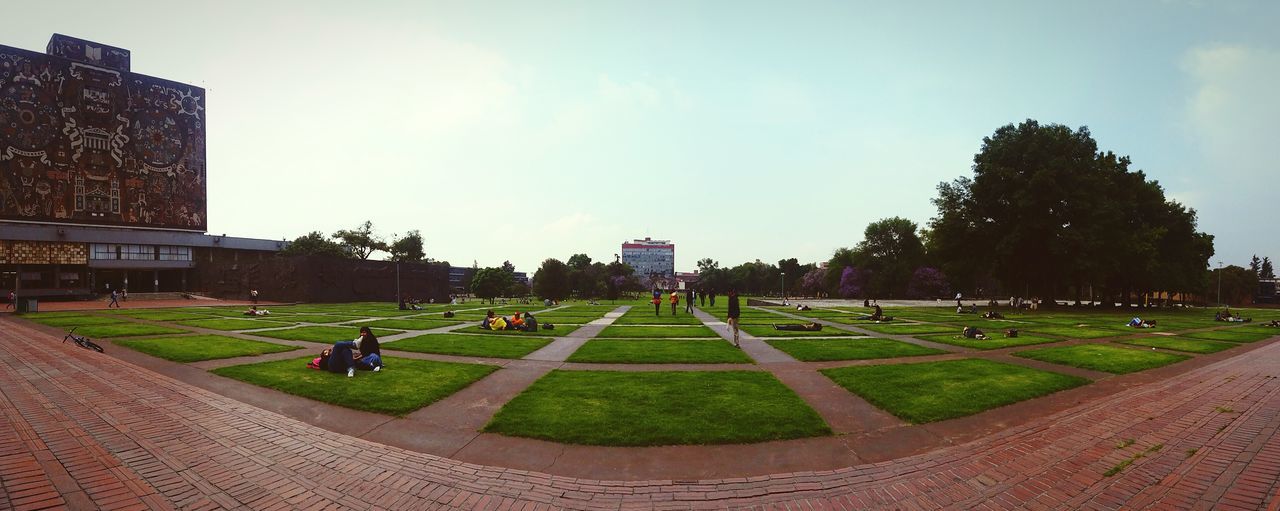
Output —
(1182, 344)
(73, 320)
(163, 315)
(658, 408)
(642, 316)
(560, 329)
(234, 324)
(1072, 332)
(934, 391)
(657, 331)
(659, 351)
(814, 350)
(1101, 357)
(769, 331)
(994, 343)
(911, 329)
(313, 318)
(126, 330)
(496, 346)
(324, 334)
(403, 386)
(1231, 335)
(410, 324)
(201, 347)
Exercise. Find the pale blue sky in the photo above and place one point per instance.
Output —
(739, 130)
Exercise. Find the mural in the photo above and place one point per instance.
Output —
(84, 140)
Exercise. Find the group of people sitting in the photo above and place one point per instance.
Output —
(254, 311)
(518, 321)
(1137, 322)
(363, 353)
(992, 315)
(971, 309)
(1226, 315)
(971, 332)
(877, 315)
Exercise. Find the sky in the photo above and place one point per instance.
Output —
(739, 130)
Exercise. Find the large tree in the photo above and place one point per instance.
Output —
(408, 248)
(314, 243)
(891, 251)
(361, 241)
(491, 283)
(1046, 211)
(552, 280)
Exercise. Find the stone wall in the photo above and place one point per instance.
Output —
(321, 279)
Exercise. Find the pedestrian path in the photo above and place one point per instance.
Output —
(82, 430)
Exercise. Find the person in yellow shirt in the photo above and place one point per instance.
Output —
(675, 300)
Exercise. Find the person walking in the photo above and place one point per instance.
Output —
(253, 296)
(124, 294)
(702, 298)
(688, 300)
(657, 302)
(675, 301)
(735, 312)
(115, 299)
(712, 298)
(13, 300)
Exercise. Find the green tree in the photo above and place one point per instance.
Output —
(891, 250)
(840, 259)
(360, 242)
(552, 280)
(1266, 271)
(794, 270)
(1238, 285)
(489, 283)
(408, 248)
(314, 243)
(1255, 265)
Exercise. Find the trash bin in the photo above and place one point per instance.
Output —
(28, 305)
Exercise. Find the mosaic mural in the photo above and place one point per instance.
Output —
(83, 140)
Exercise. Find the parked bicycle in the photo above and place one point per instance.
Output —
(82, 341)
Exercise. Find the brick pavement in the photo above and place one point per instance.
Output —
(82, 430)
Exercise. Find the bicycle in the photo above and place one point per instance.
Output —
(82, 341)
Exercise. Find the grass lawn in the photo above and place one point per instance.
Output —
(994, 343)
(769, 331)
(657, 331)
(324, 334)
(1072, 332)
(641, 316)
(1101, 357)
(814, 350)
(201, 347)
(164, 315)
(403, 386)
(126, 330)
(496, 346)
(911, 329)
(659, 351)
(72, 320)
(233, 323)
(658, 408)
(935, 391)
(559, 330)
(1233, 335)
(314, 318)
(410, 324)
(1182, 344)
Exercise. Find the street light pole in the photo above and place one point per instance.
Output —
(1219, 283)
(784, 287)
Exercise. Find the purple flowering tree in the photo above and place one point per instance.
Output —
(928, 282)
(853, 281)
(811, 283)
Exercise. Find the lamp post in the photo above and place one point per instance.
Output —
(1219, 283)
(784, 287)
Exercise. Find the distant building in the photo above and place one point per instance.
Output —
(650, 257)
(686, 280)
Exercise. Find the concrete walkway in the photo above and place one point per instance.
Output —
(84, 430)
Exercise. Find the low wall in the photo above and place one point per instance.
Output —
(322, 279)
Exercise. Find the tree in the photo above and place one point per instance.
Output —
(508, 267)
(1255, 265)
(490, 283)
(579, 261)
(1238, 285)
(408, 248)
(1266, 271)
(928, 282)
(552, 280)
(314, 243)
(891, 250)
(794, 271)
(361, 241)
(852, 282)
(813, 283)
(840, 259)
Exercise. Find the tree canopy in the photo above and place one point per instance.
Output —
(314, 243)
(408, 248)
(360, 242)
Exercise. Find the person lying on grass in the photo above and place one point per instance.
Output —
(1142, 323)
(992, 315)
(1275, 323)
(253, 311)
(877, 316)
(973, 333)
(807, 327)
(1227, 316)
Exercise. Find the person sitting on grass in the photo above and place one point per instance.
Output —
(1227, 316)
(499, 323)
(1142, 323)
(973, 333)
(992, 315)
(517, 322)
(487, 322)
(370, 351)
(1275, 323)
(877, 315)
(530, 323)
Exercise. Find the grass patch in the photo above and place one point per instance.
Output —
(1181, 344)
(814, 350)
(658, 408)
(1230, 335)
(659, 351)
(559, 330)
(1125, 443)
(1072, 332)
(1101, 357)
(496, 346)
(934, 391)
(410, 324)
(324, 334)
(314, 318)
(63, 321)
(126, 330)
(201, 347)
(911, 329)
(657, 331)
(163, 315)
(997, 341)
(770, 331)
(639, 316)
(403, 386)
(229, 324)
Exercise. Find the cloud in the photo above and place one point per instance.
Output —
(1231, 112)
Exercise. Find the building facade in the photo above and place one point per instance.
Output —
(650, 258)
(102, 175)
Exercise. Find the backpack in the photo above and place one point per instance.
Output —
(1012, 332)
(448, 314)
(548, 326)
(314, 364)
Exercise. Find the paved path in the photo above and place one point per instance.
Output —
(83, 430)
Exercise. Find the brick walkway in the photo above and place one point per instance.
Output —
(84, 430)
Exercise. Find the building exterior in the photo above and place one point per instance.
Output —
(650, 258)
(102, 176)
